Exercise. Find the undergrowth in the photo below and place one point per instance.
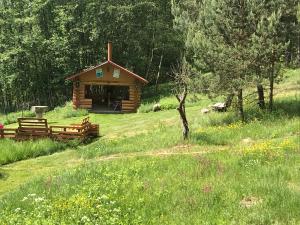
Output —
(12, 151)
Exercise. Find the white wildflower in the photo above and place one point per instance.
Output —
(104, 197)
(85, 219)
(24, 199)
(17, 210)
(39, 199)
(31, 195)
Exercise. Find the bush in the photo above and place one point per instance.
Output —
(13, 117)
(12, 151)
(67, 111)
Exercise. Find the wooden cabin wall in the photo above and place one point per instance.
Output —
(75, 97)
(107, 77)
(90, 78)
(130, 105)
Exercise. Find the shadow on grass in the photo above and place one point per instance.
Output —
(49, 123)
(3, 176)
(286, 108)
(290, 107)
(206, 139)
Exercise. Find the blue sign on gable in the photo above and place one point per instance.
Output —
(99, 73)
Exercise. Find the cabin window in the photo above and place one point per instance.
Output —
(116, 73)
(99, 73)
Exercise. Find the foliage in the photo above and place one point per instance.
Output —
(170, 102)
(42, 42)
(67, 111)
(238, 42)
(11, 118)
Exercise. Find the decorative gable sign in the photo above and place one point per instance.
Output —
(99, 73)
(116, 73)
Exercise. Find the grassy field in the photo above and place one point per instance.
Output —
(141, 171)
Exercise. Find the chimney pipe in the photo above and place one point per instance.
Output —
(109, 51)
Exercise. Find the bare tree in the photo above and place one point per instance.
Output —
(182, 80)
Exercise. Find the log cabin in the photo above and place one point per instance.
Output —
(107, 87)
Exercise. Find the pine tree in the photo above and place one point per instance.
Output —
(239, 42)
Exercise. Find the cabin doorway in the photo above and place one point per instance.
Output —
(107, 97)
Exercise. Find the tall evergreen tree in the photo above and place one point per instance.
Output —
(239, 42)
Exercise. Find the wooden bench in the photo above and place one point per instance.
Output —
(32, 128)
(93, 130)
(8, 133)
(75, 131)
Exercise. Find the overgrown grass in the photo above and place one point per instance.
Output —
(13, 117)
(11, 151)
(255, 180)
(66, 111)
(227, 129)
(218, 188)
(170, 102)
(59, 113)
(162, 137)
(167, 100)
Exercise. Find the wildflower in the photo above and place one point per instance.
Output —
(85, 219)
(31, 195)
(17, 210)
(39, 199)
(24, 199)
(104, 197)
(117, 210)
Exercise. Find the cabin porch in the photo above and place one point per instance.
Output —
(106, 98)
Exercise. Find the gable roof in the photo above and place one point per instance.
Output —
(109, 63)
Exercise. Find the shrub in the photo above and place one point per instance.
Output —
(12, 151)
(13, 117)
(67, 111)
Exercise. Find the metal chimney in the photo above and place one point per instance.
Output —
(109, 51)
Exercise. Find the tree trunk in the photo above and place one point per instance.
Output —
(181, 109)
(229, 100)
(158, 73)
(261, 96)
(271, 80)
(150, 63)
(241, 105)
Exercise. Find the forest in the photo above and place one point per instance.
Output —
(232, 43)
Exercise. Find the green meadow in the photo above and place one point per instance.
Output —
(140, 171)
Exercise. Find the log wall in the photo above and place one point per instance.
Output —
(131, 105)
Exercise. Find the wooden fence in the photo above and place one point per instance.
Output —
(33, 128)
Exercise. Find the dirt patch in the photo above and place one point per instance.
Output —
(179, 148)
(3, 176)
(203, 161)
(207, 189)
(247, 141)
(220, 168)
(250, 201)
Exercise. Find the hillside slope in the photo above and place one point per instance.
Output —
(141, 172)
